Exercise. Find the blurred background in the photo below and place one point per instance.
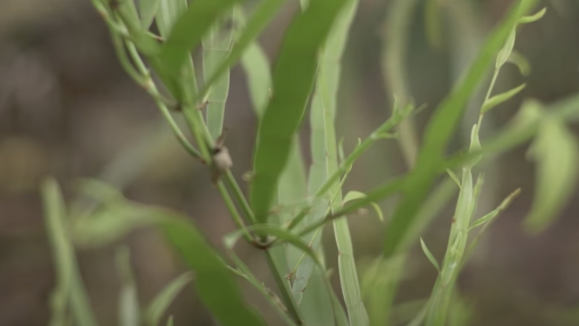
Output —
(68, 110)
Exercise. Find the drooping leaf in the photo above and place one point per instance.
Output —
(293, 77)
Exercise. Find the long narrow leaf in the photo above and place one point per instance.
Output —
(293, 77)
(68, 275)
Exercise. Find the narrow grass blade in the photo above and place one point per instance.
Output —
(293, 77)
(161, 302)
(69, 281)
(440, 128)
(129, 314)
(429, 255)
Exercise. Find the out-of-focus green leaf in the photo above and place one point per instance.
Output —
(557, 155)
(490, 216)
(256, 66)
(521, 62)
(168, 13)
(163, 299)
(433, 23)
(293, 77)
(441, 127)
(214, 284)
(429, 255)
(70, 287)
(129, 314)
(507, 49)
(498, 99)
(148, 11)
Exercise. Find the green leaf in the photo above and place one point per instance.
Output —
(214, 284)
(70, 287)
(429, 255)
(128, 299)
(533, 18)
(490, 216)
(163, 299)
(507, 49)
(256, 66)
(441, 127)
(557, 155)
(501, 98)
(148, 10)
(184, 38)
(293, 77)
(264, 13)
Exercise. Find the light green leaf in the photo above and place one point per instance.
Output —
(501, 98)
(256, 66)
(557, 156)
(285, 110)
(129, 314)
(534, 17)
(69, 283)
(490, 216)
(163, 299)
(429, 255)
